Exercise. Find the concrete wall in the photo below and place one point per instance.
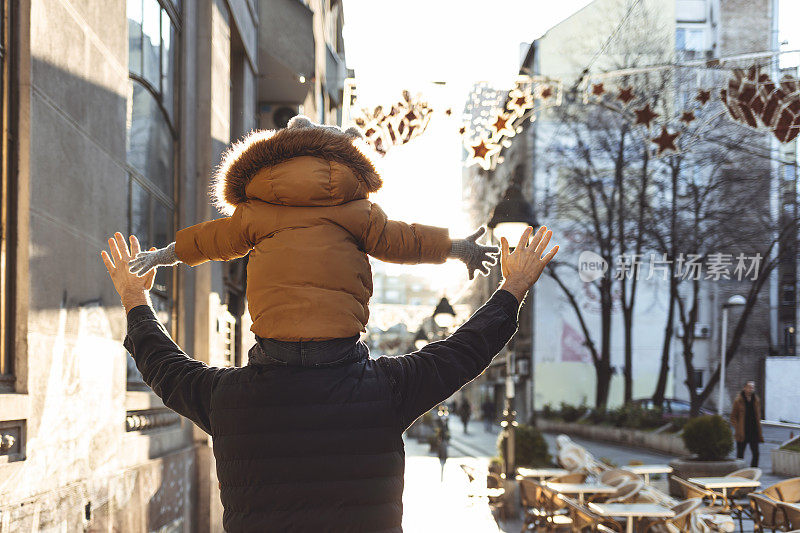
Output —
(79, 463)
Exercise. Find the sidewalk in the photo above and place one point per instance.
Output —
(433, 505)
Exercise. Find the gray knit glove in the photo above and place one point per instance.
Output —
(144, 261)
(475, 256)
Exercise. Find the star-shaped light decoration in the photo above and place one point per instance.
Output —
(519, 101)
(687, 117)
(544, 92)
(645, 116)
(481, 152)
(703, 96)
(625, 95)
(502, 125)
(462, 129)
(666, 141)
(598, 89)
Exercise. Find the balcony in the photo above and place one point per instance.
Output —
(285, 51)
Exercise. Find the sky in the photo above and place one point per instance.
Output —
(394, 45)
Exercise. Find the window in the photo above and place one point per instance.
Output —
(690, 39)
(6, 347)
(151, 140)
(698, 379)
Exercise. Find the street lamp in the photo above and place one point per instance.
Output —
(444, 315)
(734, 301)
(512, 215)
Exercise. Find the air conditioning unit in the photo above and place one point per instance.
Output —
(701, 331)
(276, 116)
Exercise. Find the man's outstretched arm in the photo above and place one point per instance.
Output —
(183, 384)
(427, 377)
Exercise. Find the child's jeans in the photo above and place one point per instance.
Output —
(307, 353)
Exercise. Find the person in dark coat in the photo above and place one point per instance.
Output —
(487, 409)
(465, 412)
(307, 446)
(746, 421)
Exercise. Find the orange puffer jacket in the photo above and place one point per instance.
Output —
(297, 198)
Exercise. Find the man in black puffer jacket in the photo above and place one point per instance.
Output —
(305, 447)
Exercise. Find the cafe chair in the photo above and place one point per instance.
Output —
(791, 513)
(617, 476)
(737, 498)
(766, 513)
(709, 497)
(787, 491)
(584, 519)
(679, 522)
(624, 494)
(575, 477)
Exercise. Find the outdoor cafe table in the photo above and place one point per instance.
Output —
(724, 483)
(581, 488)
(541, 473)
(646, 470)
(629, 511)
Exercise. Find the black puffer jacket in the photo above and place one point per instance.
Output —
(316, 449)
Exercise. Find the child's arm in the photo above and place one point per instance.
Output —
(398, 242)
(221, 239)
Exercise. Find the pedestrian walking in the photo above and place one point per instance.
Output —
(487, 410)
(465, 413)
(443, 437)
(746, 421)
(277, 422)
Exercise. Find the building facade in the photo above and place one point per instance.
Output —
(657, 31)
(115, 115)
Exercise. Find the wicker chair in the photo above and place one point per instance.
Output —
(617, 476)
(533, 504)
(691, 491)
(766, 512)
(584, 519)
(575, 477)
(791, 512)
(787, 491)
(625, 493)
(683, 512)
(737, 498)
(554, 507)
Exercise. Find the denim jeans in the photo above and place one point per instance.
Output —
(307, 353)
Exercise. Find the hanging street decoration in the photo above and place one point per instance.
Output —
(752, 98)
(645, 116)
(406, 119)
(493, 116)
(625, 95)
(666, 141)
(703, 96)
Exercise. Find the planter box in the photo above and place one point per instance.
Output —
(786, 462)
(686, 468)
(667, 443)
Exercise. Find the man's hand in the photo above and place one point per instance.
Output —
(132, 289)
(522, 268)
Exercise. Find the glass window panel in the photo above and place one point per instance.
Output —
(151, 42)
(135, 36)
(162, 224)
(169, 58)
(149, 140)
(680, 39)
(162, 305)
(140, 214)
(162, 236)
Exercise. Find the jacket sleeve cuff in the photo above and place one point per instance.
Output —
(139, 314)
(186, 249)
(506, 301)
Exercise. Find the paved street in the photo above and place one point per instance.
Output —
(434, 505)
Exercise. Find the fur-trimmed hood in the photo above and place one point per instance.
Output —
(350, 167)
